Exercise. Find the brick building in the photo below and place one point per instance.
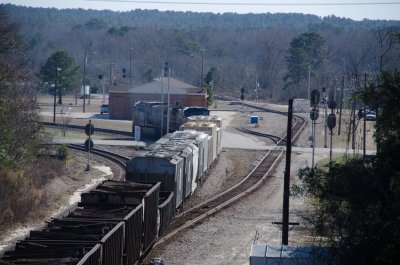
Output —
(181, 94)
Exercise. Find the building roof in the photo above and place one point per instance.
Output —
(175, 87)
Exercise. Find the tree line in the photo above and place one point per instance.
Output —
(251, 51)
(356, 202)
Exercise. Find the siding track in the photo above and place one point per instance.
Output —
(250, 183)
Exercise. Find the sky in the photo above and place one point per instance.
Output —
(354, 9)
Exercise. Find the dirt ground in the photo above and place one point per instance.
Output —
(62, 192)
(226, 237)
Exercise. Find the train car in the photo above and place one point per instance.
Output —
(195, 111)
(177, 160)
(210, 129)
(147, 116)
(166, 210)
(199, 146)
(116, 223)
(219, 141)
(159, 165)
(120, 194)
(194, 147)
(210, 119)
(206, 118)
(202, 143)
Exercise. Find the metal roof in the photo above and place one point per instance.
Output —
(175, 87)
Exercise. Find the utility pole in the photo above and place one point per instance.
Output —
(356, 84)
(365, 122)
(286, 183)
(325, 116)
(162, 102)
(341, 106)
(309, 80)
(130, 67)
(111, 74)
(256, 90)
(90, 62)
(84, 80)
(167, 70)
(202, 67)
(55, 96)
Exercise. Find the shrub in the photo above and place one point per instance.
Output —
(62, 152)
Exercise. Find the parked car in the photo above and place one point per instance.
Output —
(104, 109)
(369, 116)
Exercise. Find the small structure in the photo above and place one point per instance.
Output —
(180, 94)
(254, 119)
(262, 254)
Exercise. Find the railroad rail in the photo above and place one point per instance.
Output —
(81, 127)
(118, 159)
(197, 213)
(250, 183)
(298, 125)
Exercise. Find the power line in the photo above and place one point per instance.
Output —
(248, 4)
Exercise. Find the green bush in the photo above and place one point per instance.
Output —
(62, 152)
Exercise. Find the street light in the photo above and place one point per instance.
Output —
(130, 67)
(55, 94)
(85, 61)
(84, 80)
(167, 72)
(202, 66)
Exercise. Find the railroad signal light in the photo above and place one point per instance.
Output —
(100, 77)
(89, 129)
(242, 90)
(123, 72)
(332, 104)
(331, 121)
(315, 98)
(89, 145)
(314, 114)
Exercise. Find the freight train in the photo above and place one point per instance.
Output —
(179, 160)
(117, 223)
(147, 118)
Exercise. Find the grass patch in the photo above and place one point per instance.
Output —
(21, 190)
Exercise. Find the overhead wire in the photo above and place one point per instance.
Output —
(250, 3)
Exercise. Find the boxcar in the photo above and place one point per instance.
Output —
(209, 128)
(159, 165)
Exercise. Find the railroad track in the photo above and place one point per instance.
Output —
(82, 128)
(297, 127)
(118, 159)
(250, 183)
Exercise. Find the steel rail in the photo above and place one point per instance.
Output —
(211, 206)
(82, 127)
(297, 127)
(118, 159)
(250, 183)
